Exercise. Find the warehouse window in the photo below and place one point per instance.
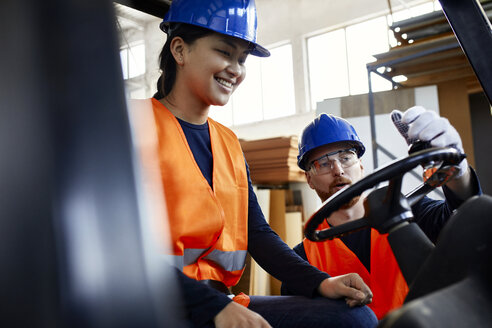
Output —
(328, 68)
(364, 40)
(278, 83)
(337, 59)
(266, 93)
(133, 60)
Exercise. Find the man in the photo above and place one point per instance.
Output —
(329, 153)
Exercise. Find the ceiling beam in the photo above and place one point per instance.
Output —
(157, 8)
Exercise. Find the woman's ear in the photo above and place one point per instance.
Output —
(177, 48)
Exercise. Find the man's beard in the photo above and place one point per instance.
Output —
(331, 191)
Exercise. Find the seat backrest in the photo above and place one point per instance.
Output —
(453, 287)
(464, 247)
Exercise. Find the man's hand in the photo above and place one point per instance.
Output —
(426, 125)
(235, 315)
(351, 286)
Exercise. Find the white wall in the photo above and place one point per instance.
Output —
(386, 135)
(286, 19)
(293, 20)
(285, 126)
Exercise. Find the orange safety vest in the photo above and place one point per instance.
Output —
(209, 227)
(386, 281)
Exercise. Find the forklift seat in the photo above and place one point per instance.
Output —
(452, 289)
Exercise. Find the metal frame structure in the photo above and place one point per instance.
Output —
(157, 8)
(372, 68)
(473, 31)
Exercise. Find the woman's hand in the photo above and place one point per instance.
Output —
(235, 315)
(351, 286)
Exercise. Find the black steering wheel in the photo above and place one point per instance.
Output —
(385, 207)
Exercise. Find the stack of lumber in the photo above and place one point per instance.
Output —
(272, 160)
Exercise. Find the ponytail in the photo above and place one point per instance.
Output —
(159, 94)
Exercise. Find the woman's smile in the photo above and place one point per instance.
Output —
(224, 83)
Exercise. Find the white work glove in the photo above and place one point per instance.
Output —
(425, 125)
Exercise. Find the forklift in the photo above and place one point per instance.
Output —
(66, 149)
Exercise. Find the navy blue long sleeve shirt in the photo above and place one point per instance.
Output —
(264, 245)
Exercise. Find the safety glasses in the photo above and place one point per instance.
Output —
(325, 164)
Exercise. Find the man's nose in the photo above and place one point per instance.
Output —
(336, 168)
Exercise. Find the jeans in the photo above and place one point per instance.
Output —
(299, 311)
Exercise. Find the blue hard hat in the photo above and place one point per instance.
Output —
(324, 130)
(236, 18)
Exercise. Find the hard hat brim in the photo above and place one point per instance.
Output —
(259, 51)
(256, 49)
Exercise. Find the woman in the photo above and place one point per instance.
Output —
(213, 212)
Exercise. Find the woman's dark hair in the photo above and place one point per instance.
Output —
(167, 64)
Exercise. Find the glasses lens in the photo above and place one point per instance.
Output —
(324, 164)
(321, 166)
(347, 158)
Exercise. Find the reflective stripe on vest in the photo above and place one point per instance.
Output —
(208, 226)
(385, 279)
(230, 261)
